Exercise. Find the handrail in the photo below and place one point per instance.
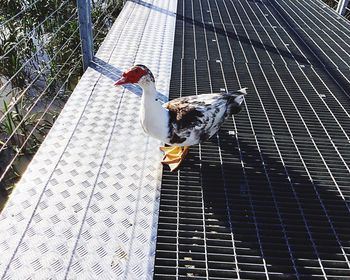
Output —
(85, 27)
(342, 7)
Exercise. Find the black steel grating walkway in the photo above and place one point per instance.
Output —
(269, 197)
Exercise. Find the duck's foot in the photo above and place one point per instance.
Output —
(173, 156)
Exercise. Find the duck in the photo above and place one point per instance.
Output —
(181, 122)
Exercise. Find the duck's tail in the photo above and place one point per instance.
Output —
(243, 91)
(240, 92)
(236, 100)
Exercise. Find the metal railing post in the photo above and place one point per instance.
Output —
(342, 5)
(85, 28)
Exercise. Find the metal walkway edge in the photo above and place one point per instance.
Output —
(87, 205)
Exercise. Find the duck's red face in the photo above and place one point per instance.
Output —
(131, 76)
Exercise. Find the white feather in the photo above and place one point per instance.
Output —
(154, 117)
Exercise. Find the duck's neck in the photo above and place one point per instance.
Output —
(153, 116)
(149, 92)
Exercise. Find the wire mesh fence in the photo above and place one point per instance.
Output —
(40, 64)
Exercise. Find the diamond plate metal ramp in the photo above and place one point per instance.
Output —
(87, 206)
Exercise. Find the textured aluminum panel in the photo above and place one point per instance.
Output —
(87, 206)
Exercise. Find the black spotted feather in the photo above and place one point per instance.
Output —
(196, 118)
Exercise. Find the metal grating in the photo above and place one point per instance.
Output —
(268, 198)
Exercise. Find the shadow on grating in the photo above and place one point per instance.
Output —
(217, 223)
(269, 197)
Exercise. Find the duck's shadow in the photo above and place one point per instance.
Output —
(257, 217)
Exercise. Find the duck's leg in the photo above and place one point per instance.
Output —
(174, 156)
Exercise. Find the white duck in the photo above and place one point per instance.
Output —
(184, 121)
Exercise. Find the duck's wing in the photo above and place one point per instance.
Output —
(199, 113)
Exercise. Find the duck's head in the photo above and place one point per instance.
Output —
(138, 74)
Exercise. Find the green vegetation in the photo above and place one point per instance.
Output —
(40, 64)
